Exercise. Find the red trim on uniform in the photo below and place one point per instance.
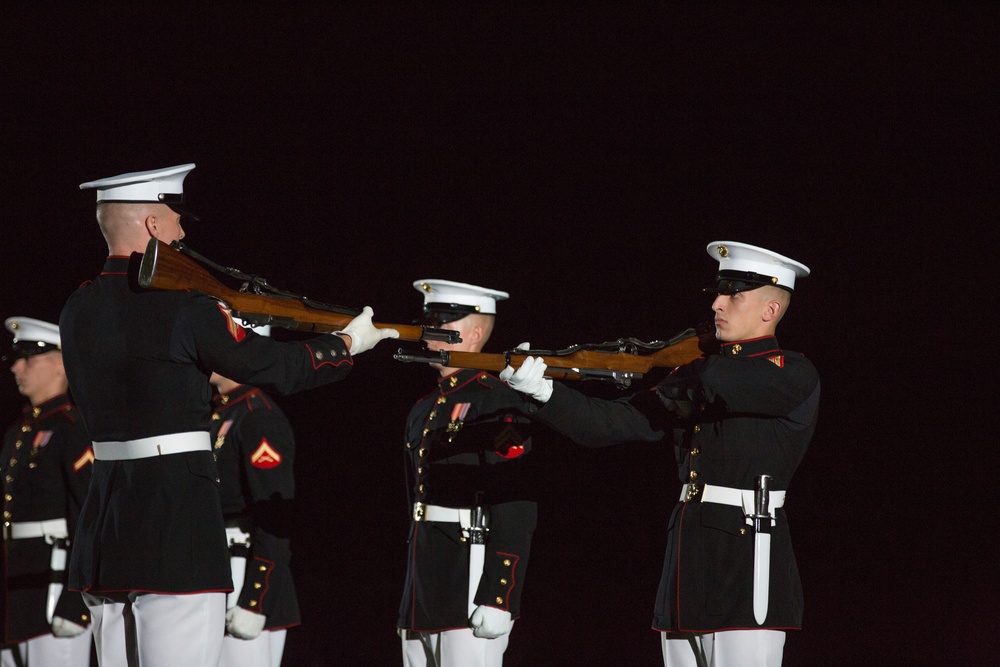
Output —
(312, 356)
(266, 586)
(513, 580)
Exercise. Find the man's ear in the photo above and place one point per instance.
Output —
(152, 225)
(772, 310)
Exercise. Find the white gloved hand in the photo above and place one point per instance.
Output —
(490, 622)
(529, 379)
(244, 624)
(363, 335)
(62, 627)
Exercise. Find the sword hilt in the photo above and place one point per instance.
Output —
(761, 502)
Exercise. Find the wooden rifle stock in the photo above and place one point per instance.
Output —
(167, 268)
(617, 365)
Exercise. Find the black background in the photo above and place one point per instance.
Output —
(580, 157)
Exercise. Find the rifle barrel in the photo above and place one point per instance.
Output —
(167, 268)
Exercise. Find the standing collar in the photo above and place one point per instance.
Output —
(752, 347)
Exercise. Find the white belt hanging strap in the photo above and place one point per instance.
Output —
(237, 564)
(160, 445)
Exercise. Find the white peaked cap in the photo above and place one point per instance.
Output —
(165, 186)
(445, 292)
(31, 337)
(26, 329)
(754, 266)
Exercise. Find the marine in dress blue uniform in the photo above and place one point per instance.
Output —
(254, 446)
(749, 410)
(151, 543)
(45, 468)
(468, 446)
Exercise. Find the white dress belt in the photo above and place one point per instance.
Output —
(52, 528)
(725, 495)
(459, 515)
(160, 445)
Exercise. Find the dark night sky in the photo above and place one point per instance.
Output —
(580, 158)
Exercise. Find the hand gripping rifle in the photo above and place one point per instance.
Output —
(619, 361)
(257, 302)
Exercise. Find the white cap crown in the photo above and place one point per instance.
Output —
(164, 186)
(744, 267)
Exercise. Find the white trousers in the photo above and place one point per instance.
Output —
(264, 651)
(51, 651)
(452, 648)
(154, 630)
(746, 648)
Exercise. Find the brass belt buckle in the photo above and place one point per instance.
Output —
(419, 511)
(692, 491)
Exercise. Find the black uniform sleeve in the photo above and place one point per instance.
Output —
(77, 461)
(267, 451)
(758, 385)
(507, 549)
(596, 422)
(205, 334)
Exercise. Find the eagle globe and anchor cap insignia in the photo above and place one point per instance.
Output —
(265, 456)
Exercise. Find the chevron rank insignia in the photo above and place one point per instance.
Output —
(85, 459)
(265, 456)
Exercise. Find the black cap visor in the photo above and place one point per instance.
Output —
(22, 349)
(734, 282)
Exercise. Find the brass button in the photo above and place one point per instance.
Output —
(431, 415)
(737, 348)
(84, 617)
(420, 470)
(13, 462)
(503, 581)
(224, 398)
(18, 444)
(442, 400)
(743, 531)
(409, 445)
(6, 515)
(216, 417)
(9, 497)
(694, 452)
(253, 603)
(25, 429)
(506, 562)
(697, 428)
(420, 488)
(421, 451)
(463, 538)
(694, 475)
(263, 568)
(426, 431)
(257, 585)
(499, 600)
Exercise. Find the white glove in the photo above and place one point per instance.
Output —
(529, 379)
(363, 335)
(244, 624)
(490, 622)
(65, 628)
